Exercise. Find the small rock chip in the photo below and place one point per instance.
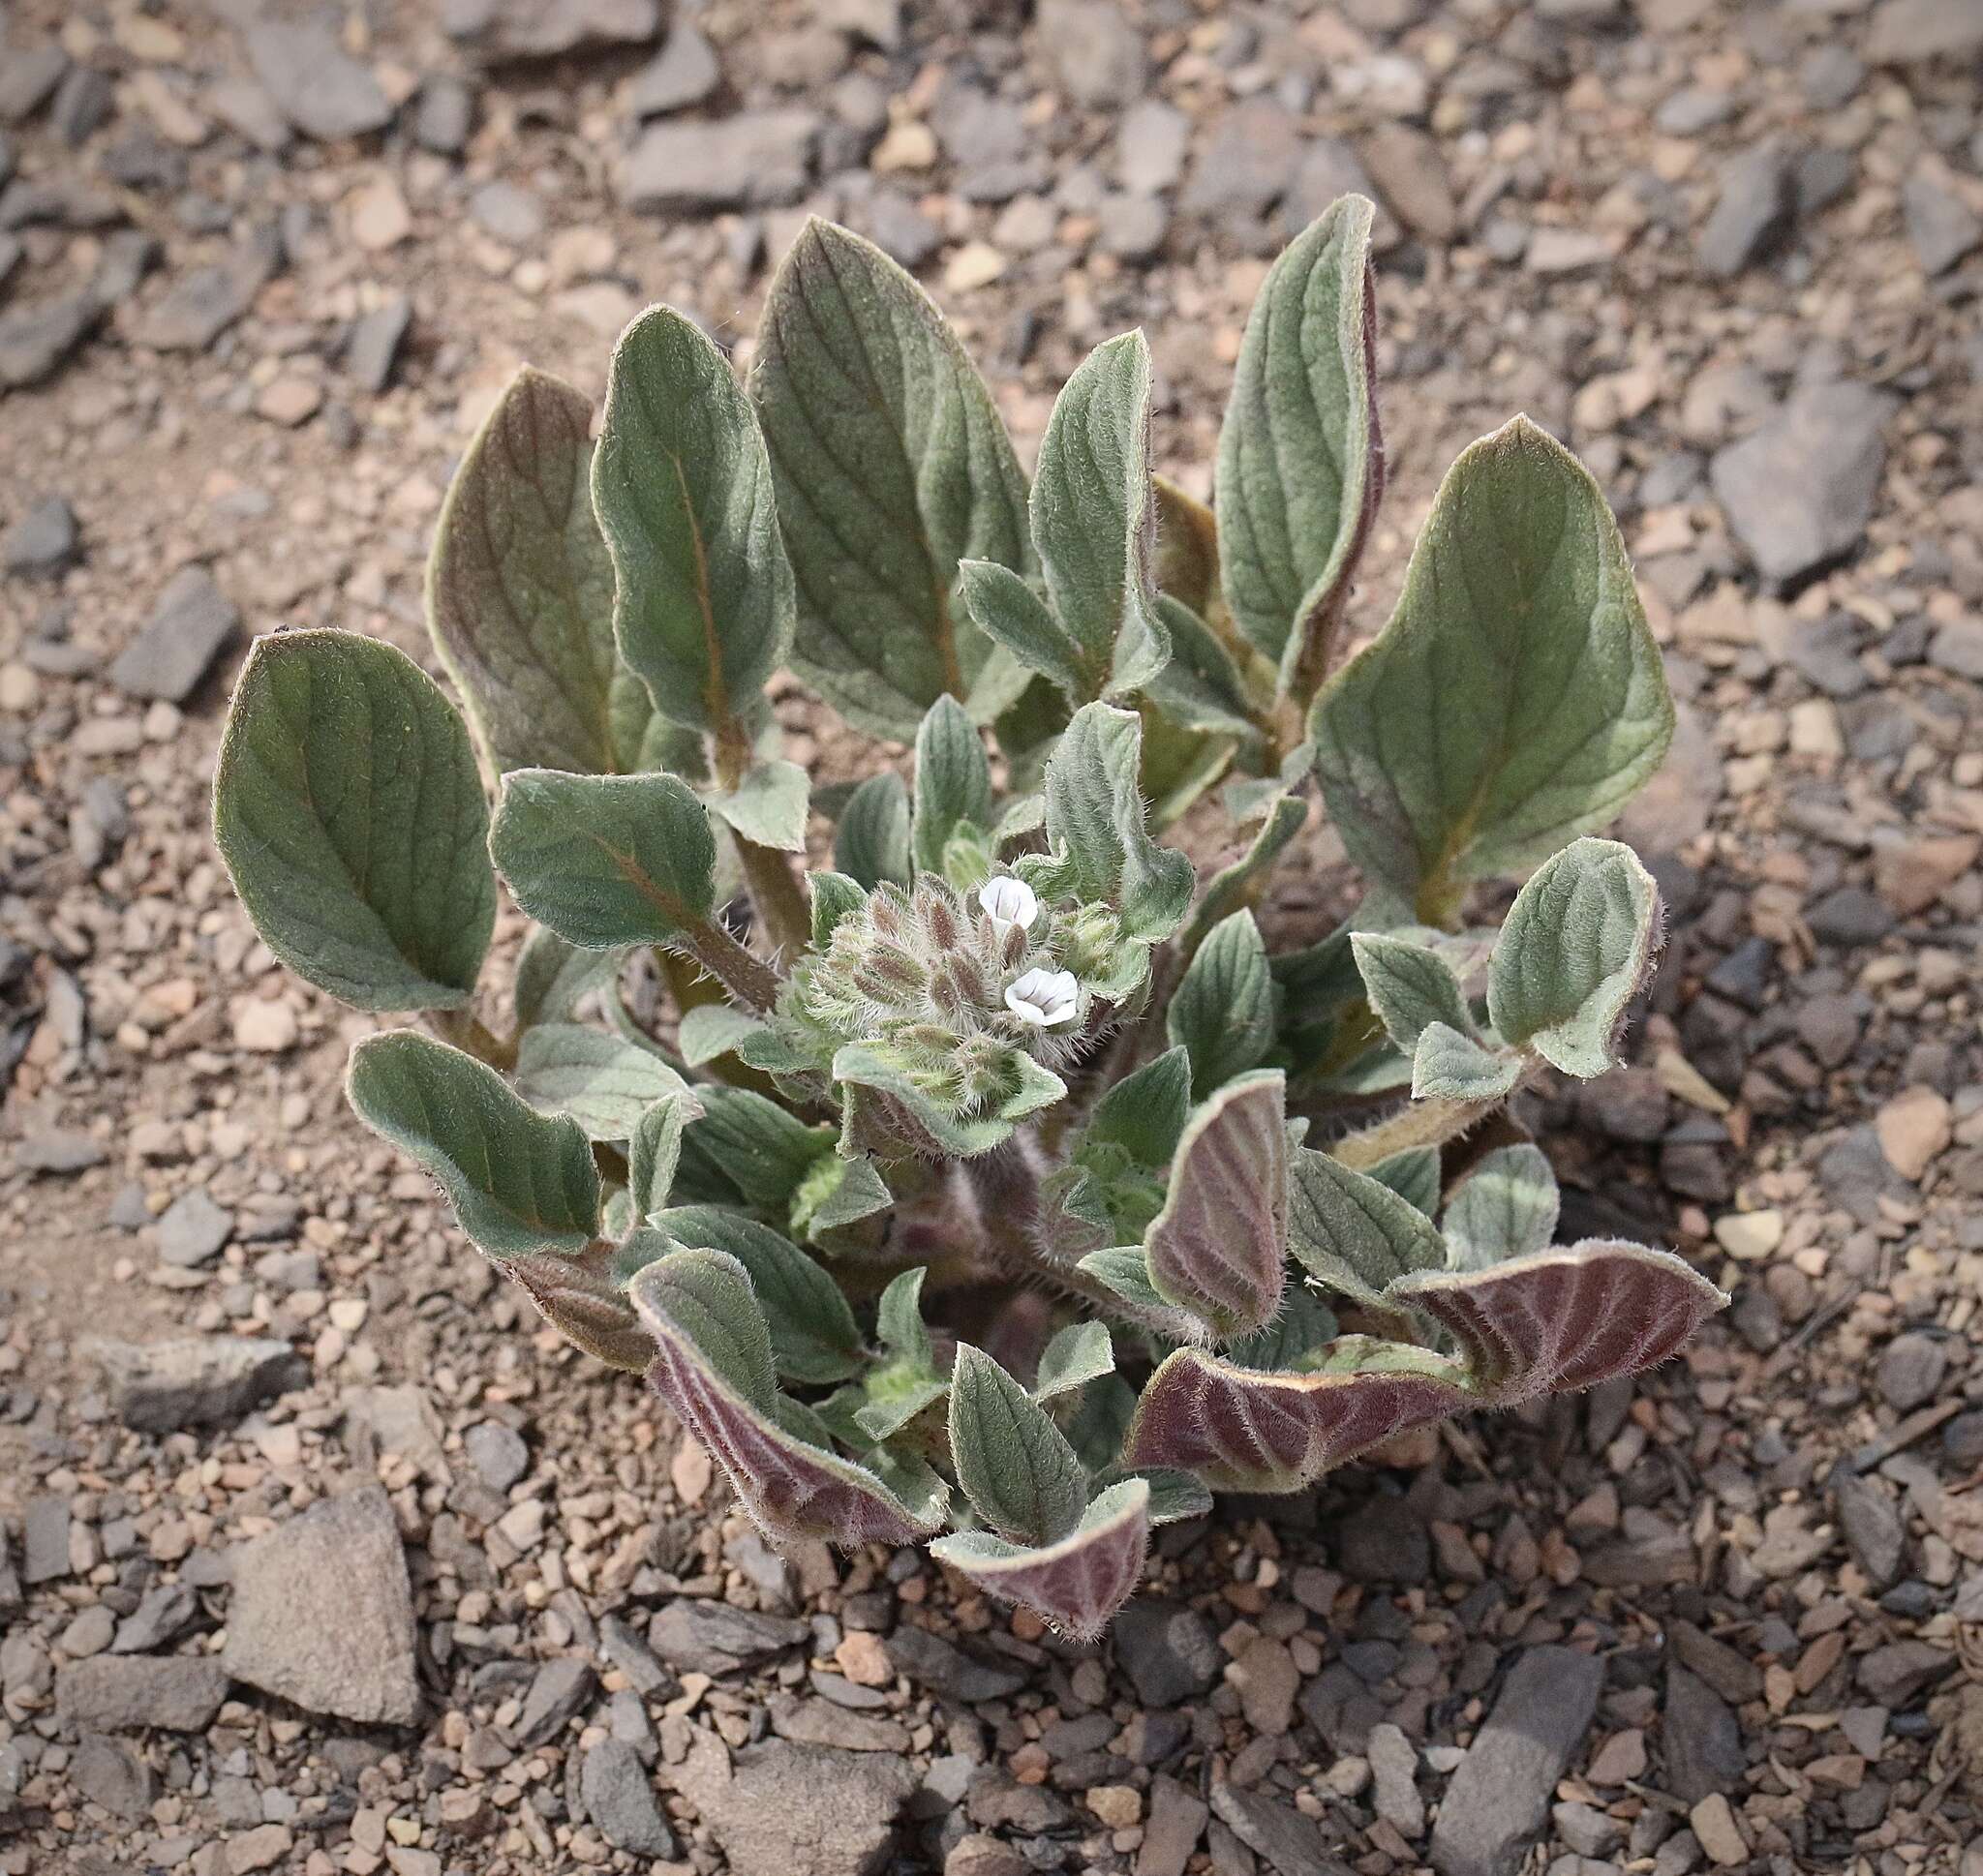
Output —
(1500, 1795)
(1894, 1674)
(1168, 1650)
(110, 1773)
(204, 303)
(498, 1454)
(119, 1693)
(512, 215)
(372, 345)
(324, 92)
(43, 541)
(559, 1692)
(501, 30)
(950, 1673)
(801, 1810)
(757, 159)
(1914, 1130)
(194, 1230)
(682, 73)
(1875, 1532)
(344, 1562)
(1701, 1737)
(188, 627)
(1912, 1368)
(1097, 55)
(45, 1540)
(700, 1636)
(1751, 213)
(1721, 1836)
(1409, 169)
(1394, 1769)
(1291, 1843)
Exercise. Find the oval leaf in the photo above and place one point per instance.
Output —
(703, 604)
(520, 1181)
(603, 1083)
(1516, 698)
(1219, 1245)
(1014, 1464)
(1223, 1011)
(348, 811)
(953, 782)
(1354, 1232)
(1506, 1208)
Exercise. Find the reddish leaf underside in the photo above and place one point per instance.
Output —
(1242, 1429)
(1565, 1318)
(1219, 1247)
(584, 1307)
(1077, 1585)
(792, 1489)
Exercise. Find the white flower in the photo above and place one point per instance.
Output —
(1045, 998)
(1007, 902)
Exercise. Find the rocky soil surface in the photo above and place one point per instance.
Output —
(318, 1554)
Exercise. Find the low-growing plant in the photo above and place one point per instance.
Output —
(1011, 1090)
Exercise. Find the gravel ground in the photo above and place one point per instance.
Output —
(318, 1553)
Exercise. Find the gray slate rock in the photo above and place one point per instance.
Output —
(191, 623)
(324, 92)
(203, 304)
(164, 1614)
(757, 159)
(1874, 1531)
(1701, 1738)
(625, 1647)
(28, 80)
(1246, 163)
(343, 1562)
(801, 1810)
(1751, 212)
(43, 541)
(559, 1692)
(1151, 143)
(508, 212)
(1799, 491)
(700, 1636)
(1914, 32)
(500, 30)
(445, 115)
(948, 1671)
(83, 102)
(1097, 55)
(193, 1230)
(372, 348)
(1912, 1368)
(619, 1799)
(1896, 1673)
(1500, 1795)
(45, 1540)
(1291, 1844)
(1167, 1650)
(120, 1693)
(1957, 646)
(684, 72)
(35, 339)
(1942, 227)
(498, 1454)
(108, 1772)
(195, 1380)
(59, 1150)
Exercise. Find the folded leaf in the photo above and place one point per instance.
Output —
(1447, 1066)
(702, 604)
(1014, 1464)
(1575, 948)
(1094, 520)
(1077, 1354)
(953, 782)
(1514, 700)
(814, 1337)
(1561, 1319)
(1095, 823)
(607, 860)
(836, 1193)
(520, 592)
(891, 466)
(768, 805)
(1233, 888)
(1014, 617)
(1076, 1584)
(603, 1083)
(872, 841)
(1242, 1429)
(656, 1149)
(1301, 461)
(584, 1306)
(348, 811)
(1146, 1111)
(1224, 1007)
(1354, 1232)
(706, 1370)
(1218, 1247)
(1410, 987)
(1506, 1208)
(519, 1181)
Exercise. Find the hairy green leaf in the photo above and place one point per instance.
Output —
(1414, 1175)
(1410, 987)
(519, 1181)
(1146, 1111)
(347, 807)
(713, 1029)
(1352, 1231)
(872, 843)
(833, 895)
(656, 1149)
(1516, 698)
(1573, 953)
(1506, 1208)
(606, 860)
(1014, 1464)
(1301, 461)
(768, 806)
(1014, 617)
(1077, 1354)
(1447, 1066)
(953, 782)
(603, 1083)
(1094, 520)
(764, 1150)
(553, 978)
(891, 466)
(520, 592)
(1231, 889)
(1223, 1011)
(702, 604)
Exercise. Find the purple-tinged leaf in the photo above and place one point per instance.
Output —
(584, 1306)
(1565, 1318)
(1245, 1430)
(1077, 1585)
(712, 1367)
(1219, 1245)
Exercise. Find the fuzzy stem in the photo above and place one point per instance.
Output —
(776, 895)
(741, 971)
(1424, 1123)
(467, 1031)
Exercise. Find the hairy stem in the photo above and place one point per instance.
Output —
(467, 1031)
(776, 895)
(735, 966)
(1424, 1123)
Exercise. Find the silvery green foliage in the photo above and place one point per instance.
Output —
(1000, 1178)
